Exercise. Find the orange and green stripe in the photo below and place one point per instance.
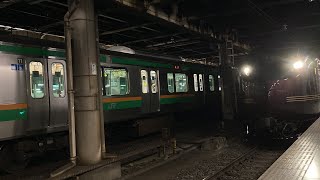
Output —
(176, 98)
(13, 112)
(117, 103)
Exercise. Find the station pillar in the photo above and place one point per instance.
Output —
(228, 75)
(86, 81)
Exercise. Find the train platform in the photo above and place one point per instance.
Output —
(301, 160)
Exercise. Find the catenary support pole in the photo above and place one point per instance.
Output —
(229, 99)
(101, 74)
(71, 114)
(86, 83)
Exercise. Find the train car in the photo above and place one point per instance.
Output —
(298, 93)
(141, 90)
(288, 102)
(137, 88)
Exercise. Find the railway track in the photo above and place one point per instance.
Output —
(40, 167)
(250, 165)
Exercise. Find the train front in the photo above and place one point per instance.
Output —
(289, 100)
(296, 94)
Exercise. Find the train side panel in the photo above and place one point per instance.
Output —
(23, 114)
(129, 105)
(13, 100)
(172, 99)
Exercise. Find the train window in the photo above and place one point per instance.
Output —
(200, 82)
(154, 82)
(211, 82)
(58, 86)
(181, 82)
(220, 82)
(170, 81)
(144, 82)
(37, 87)
(195, 82)
(116, 82)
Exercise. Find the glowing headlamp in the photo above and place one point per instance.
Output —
(247, 70)
(298, 65)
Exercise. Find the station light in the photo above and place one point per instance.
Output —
(247, 70)
(298, 65)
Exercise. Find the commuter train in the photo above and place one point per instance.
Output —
(282, 105)
(143, 90)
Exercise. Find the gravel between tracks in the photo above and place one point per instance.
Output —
(196, 164)
(202, 164)
(252, 166)
(201, 169)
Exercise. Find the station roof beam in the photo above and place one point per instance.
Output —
(126, 29)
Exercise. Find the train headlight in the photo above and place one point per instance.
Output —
(247, 70)
(298, 65)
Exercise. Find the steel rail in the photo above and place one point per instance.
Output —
(230, 165)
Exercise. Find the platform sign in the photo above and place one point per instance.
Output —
(93, 69)
(20, 67)
(13, 67)
(17, 67)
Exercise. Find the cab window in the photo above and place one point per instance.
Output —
(116, 82)
(37, 87)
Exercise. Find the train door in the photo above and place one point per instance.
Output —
(155, 91)
(150, 90)
(37, 94)
(198, 84)
(58, 93)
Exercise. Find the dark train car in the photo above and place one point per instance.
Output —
(286, 102)
(298, 93)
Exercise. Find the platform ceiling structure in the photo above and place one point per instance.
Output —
(265, 24)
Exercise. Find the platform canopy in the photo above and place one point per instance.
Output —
(186, 28)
